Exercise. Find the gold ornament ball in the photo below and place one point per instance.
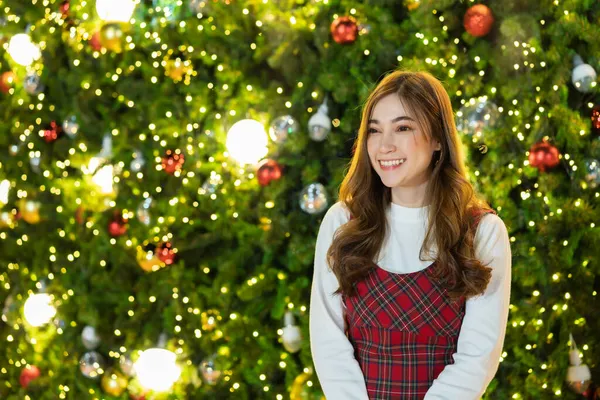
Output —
(114, 383)
(6, 219)
(111, 37)
(147, 260)
(30, 211)
(412, 4)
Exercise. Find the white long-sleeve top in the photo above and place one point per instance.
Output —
(482, 332)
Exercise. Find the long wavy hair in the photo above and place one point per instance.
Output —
(453, 202)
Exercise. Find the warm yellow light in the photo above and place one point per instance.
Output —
(157, 370)
(115, 10)
(38, 309)
(247, 141)
(23, 50)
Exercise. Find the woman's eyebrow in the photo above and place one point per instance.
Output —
(401, 118)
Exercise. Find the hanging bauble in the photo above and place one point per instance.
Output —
(596, 118)
(96, 41)
(148, 260)
(52, 132)
(268, 170)
(28, 374)
(292, 336)
(138, 161)
(90, 337)
(7, 80)
(117, 226)
(592, 172)
(173, 161)
(313, 199)
(478, 20)
(143, 211)
(583, 75)
(29, 211)
(33, 83)
(247, 141)
(477, 115)
(92, 365)
(71, 126)
(210, 370)
(344, 30)
(543, 156)
(282, 127)
(578, 374)
(166, 253)
(114, 383)
(126, 364)
(412, 4)
(319, 125)
(112, 37)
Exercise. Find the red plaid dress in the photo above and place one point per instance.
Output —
(404, 330)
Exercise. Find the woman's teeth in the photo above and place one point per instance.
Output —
(392, 162)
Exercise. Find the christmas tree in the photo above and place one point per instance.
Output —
(166, 164)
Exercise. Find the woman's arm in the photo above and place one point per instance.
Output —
(333, 355)
(482, 333)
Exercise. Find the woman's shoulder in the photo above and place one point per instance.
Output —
(337, 215)
(490, 224)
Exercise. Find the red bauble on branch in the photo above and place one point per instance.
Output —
(543, 156)
(118, 225)
(166, 253)
(478, 20)
(268, 170)
(344, 30)
(53, 132)
(29, 374)
(173, 161)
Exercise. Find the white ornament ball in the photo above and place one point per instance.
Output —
(90, 337)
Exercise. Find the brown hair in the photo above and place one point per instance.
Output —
(453, 201)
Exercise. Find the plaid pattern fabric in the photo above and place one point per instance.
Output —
(404, 330)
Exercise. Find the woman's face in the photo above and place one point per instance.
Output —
(398, 149)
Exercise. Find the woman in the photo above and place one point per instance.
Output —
(411, 284)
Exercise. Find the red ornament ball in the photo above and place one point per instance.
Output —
(64, 8)
(118, 225)
(596, 118)
(52, 133)
(95, 41)
(29, 374)
(478, 20)
(166, 253)
(268, 170)
(7, 80)
(173, 161)
(543, 156)
(344, 30)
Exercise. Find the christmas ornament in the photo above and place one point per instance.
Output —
(52, 133)
(313, 199)
(592, 172)
(138, 161)
(247, 141)
(210, 371)
(38, 309)
(319, 125)
(29, 211)
(6, 220)
(477, 115)
(478, 20)
(7, 80)
(543, 156)
(65, 8)
(70, 126)
(111, 37)
(92, 365)
(166, 253)
(578, 374)
(114, 383)
(147, 260)
(412, 4)
(96, 41)
(209, 320)
(178, 70)
(282, 127)
(22, 50)
(583, 75)
(344, 30)
(143, 211)
(90, 338)
(28, 374)
(596, 118)
(292, 337)
(173, 161)
(33, 83)
(126, 365)
(118, 225)
(268, 170)
(115, 10)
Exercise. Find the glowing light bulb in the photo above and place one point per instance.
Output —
(104, 179)
(157, 370)
(38, 309)
(115, 10)
(23, 50)
(247, 141)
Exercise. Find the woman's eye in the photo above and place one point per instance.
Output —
(404, 128)
(371, 130)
